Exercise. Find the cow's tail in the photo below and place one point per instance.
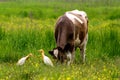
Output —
(61, 39)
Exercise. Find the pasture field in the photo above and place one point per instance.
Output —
(28, 25)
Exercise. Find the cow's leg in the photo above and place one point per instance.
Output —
(72, 57)
(71, 54)
(69, 57)
(83, 49)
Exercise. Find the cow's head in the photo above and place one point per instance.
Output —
(58, 54)
(54, 53)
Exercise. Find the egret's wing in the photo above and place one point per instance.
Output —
(21, 61)
(47, 61)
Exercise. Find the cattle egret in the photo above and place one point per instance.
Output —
(46, 59)
(23, 59)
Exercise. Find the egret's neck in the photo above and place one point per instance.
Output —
(27, 56)
(42, 54)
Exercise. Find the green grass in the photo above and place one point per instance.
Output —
(29, 26)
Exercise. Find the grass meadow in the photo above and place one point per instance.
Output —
(28, 25)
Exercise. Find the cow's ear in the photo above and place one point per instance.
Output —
(51, 53)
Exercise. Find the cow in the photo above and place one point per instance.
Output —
(71, 31)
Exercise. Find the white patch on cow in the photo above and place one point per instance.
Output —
(73, 18)
(82, 13)
(77, 40)
(69, 57)
(56, 52)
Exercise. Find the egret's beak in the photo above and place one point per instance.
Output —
(30, 54)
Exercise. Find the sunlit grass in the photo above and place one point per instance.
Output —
(37, 70)
(19, 40)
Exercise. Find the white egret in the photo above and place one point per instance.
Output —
(46, 59)
(23, 59)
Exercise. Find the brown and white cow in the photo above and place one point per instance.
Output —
(71, 31)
